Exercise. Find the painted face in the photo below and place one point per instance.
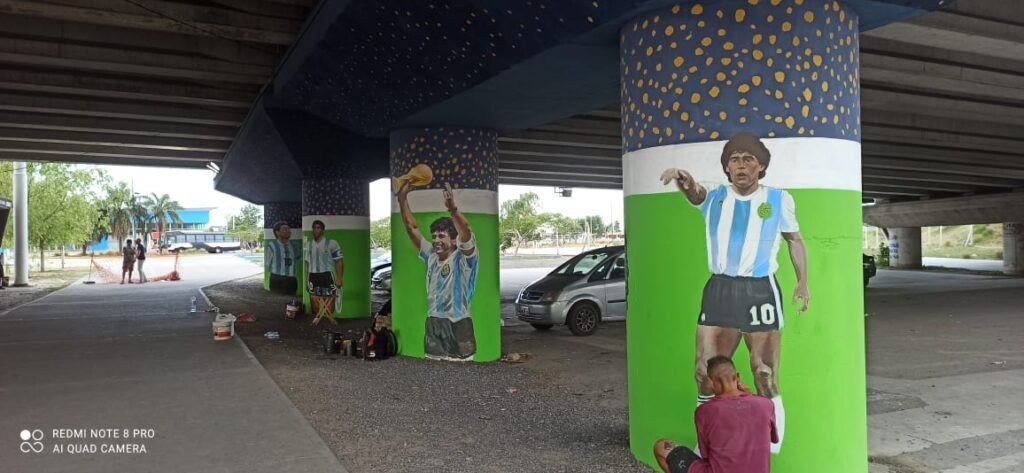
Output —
(284, 232)
(744, 169)
(318, 232)
(443, 244)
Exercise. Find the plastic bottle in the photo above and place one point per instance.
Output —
(193, 305)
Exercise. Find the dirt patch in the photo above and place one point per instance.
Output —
(41, 284)
(563, 410)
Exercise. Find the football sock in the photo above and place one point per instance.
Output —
(780, 423)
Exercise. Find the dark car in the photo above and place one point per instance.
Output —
(869, 269)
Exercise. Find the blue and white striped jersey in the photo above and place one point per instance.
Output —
(321, 255)
(450, 283)
(744, 232)
(280, 258)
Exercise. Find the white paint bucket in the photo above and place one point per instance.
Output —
(223, 327)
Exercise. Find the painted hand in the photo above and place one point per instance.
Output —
(449, 198)
(802, 294)
(403, 191)
(680, 175)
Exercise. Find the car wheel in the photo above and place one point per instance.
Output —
(583, 319)
(542, 327)
(219, 250)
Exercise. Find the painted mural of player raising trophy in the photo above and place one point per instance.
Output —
(452, 264)
(745, 222)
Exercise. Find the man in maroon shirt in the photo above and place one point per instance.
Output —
(734, 430)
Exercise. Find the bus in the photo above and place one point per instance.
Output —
(212, 242)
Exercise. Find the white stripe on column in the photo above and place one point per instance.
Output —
(268, 234)
(475, 201)
(338, 222)
(797, 163)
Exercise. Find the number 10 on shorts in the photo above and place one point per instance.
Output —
(767, 315)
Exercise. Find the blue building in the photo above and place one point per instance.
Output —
(196, 218)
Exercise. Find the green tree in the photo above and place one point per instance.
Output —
(60, 205)
(162, 210)
(519, 221)
(380, 233)
(117, 209)
(560, 227)
(247, 226)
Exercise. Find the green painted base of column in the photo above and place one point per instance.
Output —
(822, 366)
(408, 280)
(355, 245)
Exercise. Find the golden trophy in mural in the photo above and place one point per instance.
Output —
(419, 176)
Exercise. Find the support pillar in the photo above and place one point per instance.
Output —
(1013, 249)
(342, 207)
(905, 247)
(741, 163)
(445, 292)
(282, 249)
(21, 224)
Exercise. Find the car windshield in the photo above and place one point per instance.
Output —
(584, 263)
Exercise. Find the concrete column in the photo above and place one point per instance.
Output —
(1013, 249)
(342, 254)
(21, 224)
(905, 247)
(444, 233)
(282, 256)
(740, 127)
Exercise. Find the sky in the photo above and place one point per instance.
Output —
(194, 188)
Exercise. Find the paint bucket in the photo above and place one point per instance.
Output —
(223, 327)
(291, 311)
(332, 342)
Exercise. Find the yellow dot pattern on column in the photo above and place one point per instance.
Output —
(737, 79)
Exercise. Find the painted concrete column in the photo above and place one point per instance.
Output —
(21, 224)
(282, 247)
(1013, 249)
(444, 233)
(336, 247)
(905, 247)
(740, 124)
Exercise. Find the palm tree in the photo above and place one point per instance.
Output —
(118, 210)
(164, 210)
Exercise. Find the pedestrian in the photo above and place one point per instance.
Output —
(140, 257)
(128, 261)
(2, 274)
(735, 429)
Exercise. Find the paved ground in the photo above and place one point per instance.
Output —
(563, 411)
(108, 356)
(945, 373)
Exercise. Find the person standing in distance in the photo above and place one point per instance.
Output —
(140, 258)
(452, 264)
(744, 223)
(127, 261)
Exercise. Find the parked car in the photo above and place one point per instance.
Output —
(381, 279)
(582, 292)
(869, 269)
(382, 260)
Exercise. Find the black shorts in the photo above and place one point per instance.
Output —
(680, 459)
(447, 339)
(283, 284)
(323, 284)
(745, 304)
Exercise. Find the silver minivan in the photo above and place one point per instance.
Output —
(580, 293)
